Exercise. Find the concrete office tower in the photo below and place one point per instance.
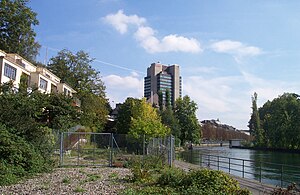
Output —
(160, 78)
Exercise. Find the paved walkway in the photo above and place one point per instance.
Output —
(255, 187)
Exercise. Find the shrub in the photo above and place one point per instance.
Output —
(172, 177)
(201, 181)
(18, 157)
(205, 181)
(143, 168)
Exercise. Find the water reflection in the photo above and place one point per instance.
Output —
(263, 166)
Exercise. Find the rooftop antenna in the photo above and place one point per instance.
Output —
(46, 56)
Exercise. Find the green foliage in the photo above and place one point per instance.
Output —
(16, 32)
(254, 123)
(125, 114)
(146, 121)
(160, 100)
(280, 121)
(66, 180)
(168, 118)
(143, 167)
(79, 189)
(176, 181)
(185, 112)
(172, 177)
(26, 131)
(94, 111)
(76, 70)
(18, 157)
(202, 181)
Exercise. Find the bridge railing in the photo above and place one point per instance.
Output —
(265, 172)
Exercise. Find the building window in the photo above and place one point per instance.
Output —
(43, 84)
(67, 92)
(10, 71)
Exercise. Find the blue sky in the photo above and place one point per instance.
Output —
(227, 50)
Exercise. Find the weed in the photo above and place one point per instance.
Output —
(66, 180)
(113, 176)
(79, 189)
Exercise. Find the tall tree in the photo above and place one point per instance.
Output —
(16, 29)
(160, 100)
(168, 99)
(168, 118)
(76, 70)
(254, 123)
(185, 112)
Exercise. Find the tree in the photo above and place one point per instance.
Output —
(185, 112)
(146, 121)
(125, 114)
(168, 118)
(16, 32)
(76, 70)
(281, 122)
(168, 99)
(254, 123)
(160, 100)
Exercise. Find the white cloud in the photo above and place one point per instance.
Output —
(218, 98)
(119, 88)
(268, 89)
(235, 48)
(127, 82)
(145, 35)
(120, 21)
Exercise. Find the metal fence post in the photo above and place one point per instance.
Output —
(111, 150)
(218, 163)
(260, 173)
(281, 179)
(229, 165)
(170, 156)
(61, 149)
(78, 149)
(243, 168)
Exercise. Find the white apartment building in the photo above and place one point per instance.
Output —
(13, 66)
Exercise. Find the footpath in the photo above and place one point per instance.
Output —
(255, 187)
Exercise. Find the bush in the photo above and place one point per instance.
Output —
(202, 181)
(143, 167)
(172, 177)
(18, 157)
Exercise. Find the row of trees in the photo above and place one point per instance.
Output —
(210, 132)
(277, 123)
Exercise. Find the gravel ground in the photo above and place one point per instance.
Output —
(83, 180)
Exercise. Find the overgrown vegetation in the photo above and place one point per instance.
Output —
(27, 135)
(151, 177)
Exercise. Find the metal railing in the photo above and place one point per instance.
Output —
(265, 172)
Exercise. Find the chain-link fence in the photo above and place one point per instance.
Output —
(106, 149)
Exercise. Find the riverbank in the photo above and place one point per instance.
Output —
(81, 180)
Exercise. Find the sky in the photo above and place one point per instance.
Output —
(226, 50)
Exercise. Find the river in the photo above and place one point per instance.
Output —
(257, 164)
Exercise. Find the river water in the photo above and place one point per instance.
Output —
(257, 164)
